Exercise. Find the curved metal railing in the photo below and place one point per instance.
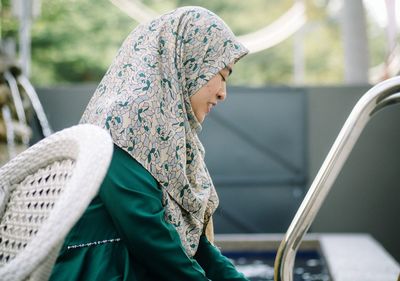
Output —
(37, 106)
(378, 97)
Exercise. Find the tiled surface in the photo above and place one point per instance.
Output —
(358, 257)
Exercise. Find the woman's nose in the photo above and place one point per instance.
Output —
(221, 95)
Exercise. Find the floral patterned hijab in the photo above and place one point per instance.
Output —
(144, 102)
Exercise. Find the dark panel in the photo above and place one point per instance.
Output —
(255, 146)
(258, 136)
(65, 105)
(250, 209)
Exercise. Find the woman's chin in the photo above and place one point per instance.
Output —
(201, 119)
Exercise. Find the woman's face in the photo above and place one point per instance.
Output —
(210, 94)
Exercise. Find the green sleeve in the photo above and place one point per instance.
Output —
(217, 266)
(134, 200)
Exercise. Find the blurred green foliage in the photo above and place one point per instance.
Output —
(74, 41)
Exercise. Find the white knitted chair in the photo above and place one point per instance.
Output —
(43, 193)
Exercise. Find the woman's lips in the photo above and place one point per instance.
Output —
(210, 106)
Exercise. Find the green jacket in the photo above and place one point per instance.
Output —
(123, 236)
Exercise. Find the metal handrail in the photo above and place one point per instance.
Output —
(16, 97)
(378, 97)
(37, 106)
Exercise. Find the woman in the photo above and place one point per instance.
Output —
(149, 219)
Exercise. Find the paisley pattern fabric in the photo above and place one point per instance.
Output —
(144, 102)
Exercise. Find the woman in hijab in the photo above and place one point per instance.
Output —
(149, 219)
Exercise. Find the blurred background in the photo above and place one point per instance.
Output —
(74, 41)
(310, 62)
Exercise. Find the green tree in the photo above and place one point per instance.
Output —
(75, 41)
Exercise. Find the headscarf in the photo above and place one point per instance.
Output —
(144, 102)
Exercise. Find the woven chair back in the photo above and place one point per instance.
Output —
(43, 192)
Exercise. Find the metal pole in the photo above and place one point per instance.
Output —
(298, 54)
(391, 28)
(355, 43)
(25, 11)
(25, 37)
